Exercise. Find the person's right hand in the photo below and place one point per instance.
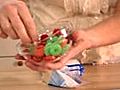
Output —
(16, 21)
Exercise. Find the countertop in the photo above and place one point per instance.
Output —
(12, 77)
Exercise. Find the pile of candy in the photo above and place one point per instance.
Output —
(50, 47)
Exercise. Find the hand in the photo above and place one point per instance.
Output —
(16, 21)
(82, 42)
(32, 63)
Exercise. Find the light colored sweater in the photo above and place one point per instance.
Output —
(81, 13)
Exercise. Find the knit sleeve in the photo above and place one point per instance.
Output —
(86, 7)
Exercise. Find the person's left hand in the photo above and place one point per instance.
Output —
(82, 42)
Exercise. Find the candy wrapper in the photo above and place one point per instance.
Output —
(69, 76)
(51, 46)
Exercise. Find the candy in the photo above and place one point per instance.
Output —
(44, 37)
(41, 43)
(57, 32)
(64, 33)
(47, 48)
(64, 42)
(37, 59)
(26, 50)
(56, 50)
(20, 63)
(55, 38)
(65, 48)
(39, 51)
(49, 58)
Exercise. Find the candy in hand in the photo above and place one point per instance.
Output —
(57, 32)
(56, 50)
(44, 37)
(39, 51)
(49, 58)
(50, 46)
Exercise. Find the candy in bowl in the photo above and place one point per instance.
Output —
(51, 46)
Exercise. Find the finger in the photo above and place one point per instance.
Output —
(27, 20)
(34, 67)
(37, 62)
(31, 66)
(54, 66)
(2, 34)
(78, 35)
(6, 27)
(18, 25)
(34, 62)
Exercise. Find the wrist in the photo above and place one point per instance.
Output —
(87, 44)
(89, 41)
(84, 40)
(93, 39)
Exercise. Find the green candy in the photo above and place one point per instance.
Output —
(47, 48)
(65, 48)
(59, 40)
(53, 47)
(48, 41)
(56, 50)
(55, 38)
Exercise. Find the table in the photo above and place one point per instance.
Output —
(103, 77)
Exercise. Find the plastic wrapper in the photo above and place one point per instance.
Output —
(69, 76)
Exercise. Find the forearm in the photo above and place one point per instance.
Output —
(107, 32)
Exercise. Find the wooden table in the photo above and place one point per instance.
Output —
(105, 77)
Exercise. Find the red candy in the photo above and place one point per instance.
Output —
(49, 58)
(39, 46)
(26, 50)
(39, 51)
(42, 43)
(57, 31)
(44, 37)
(36, 59)
(64, 42)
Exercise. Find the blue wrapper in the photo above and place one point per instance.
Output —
(69, 76)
